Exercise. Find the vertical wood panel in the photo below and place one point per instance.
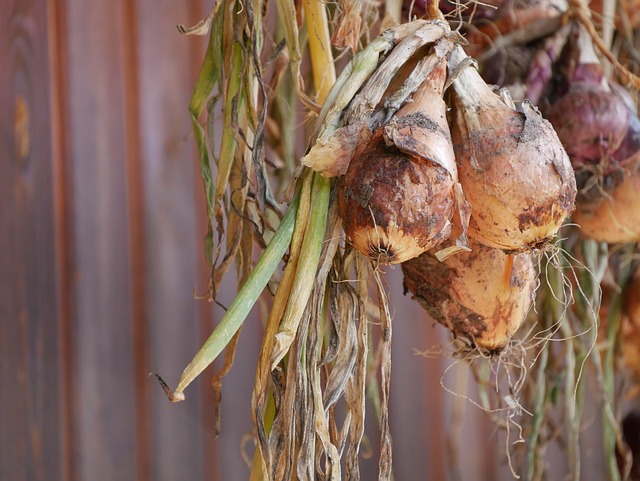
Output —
(96, 154)
(172, 242)
(416, 404)
(104, 422)
(29, 344)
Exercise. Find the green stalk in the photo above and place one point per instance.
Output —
(210, 74)
(306, 269)
(228, 143)
(242, 304)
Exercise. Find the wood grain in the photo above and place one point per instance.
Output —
(104, 429)
(30, 407)
(172, 244)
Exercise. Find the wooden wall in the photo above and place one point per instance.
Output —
(101, 228)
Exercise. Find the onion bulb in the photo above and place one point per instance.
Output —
(617, 218)
(512, 167)
(591, 120)
(482, 296)
(396, 200)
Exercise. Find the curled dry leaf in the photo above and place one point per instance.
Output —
(331, 156)
(347, 33)
(482, 296)
(512, 167)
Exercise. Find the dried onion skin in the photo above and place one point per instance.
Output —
(483, 295)
(512, 167)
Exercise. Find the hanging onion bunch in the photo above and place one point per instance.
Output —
(398, 183)
(597, 123)
(482, 296)
(511, 165)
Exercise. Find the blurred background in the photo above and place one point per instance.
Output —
(101, 251)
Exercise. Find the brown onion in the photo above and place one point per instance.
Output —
(396, 199)
(512, 167)
(482, 296)
(617, 218)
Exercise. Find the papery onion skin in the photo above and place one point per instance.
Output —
(397, 197)
(483, 295)
(512, 167)
(617, 218)
(590, 123)
(521, 187)
(395, 206)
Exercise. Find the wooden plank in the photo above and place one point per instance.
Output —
(104, 430)
(30, 407)
(417, 425)
(171, 235)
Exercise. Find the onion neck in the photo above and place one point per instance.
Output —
(472, 92)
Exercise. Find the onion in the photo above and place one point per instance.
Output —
(616, 219)
(396, 199)
(591, 120)
(482, 296)
(591, 123)
(511, 165)
(628, 153)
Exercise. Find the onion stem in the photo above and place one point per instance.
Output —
(242, 304)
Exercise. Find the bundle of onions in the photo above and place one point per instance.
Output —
(511, 165)
(397, 199)
(482, 296)
(617, 218)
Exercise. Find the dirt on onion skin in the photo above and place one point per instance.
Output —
(482, 296)
(395, 206)
(515, 174)
(418, 273)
